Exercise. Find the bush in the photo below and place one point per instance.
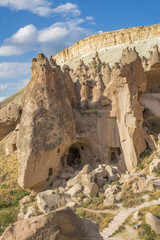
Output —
(147, 233)
(7, 216)
(145, 154)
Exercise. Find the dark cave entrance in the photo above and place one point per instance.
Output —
(115, 155)
(74, 158)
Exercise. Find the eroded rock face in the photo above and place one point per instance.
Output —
(47, 123)
(9, 117)
(59, 225)
(73, 118)
(153, 221)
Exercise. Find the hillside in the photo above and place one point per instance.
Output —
(15, 98)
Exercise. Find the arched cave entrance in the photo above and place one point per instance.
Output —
(74, 158)
(115, 155)
(78, 155)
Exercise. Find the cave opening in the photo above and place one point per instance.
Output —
(14, 147)
(115, 155)
(74, 158)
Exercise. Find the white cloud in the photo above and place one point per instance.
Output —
(10, 50)
(14, 69)
(40, 7)
(25, 35)
(90, 18)
(48, 40)
(67, 9)
(2, 98)
(100, 31)
(3, 87)
(52, 34)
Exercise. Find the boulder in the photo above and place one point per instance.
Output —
(91, 190)
(153, 221)
(110, 199)
(100, 181)
(145, 185)
(27, 199)
(154, 165)
(31, 212)
(49, 200)
(85, 176)
(60, 225)
(75, 189)
(136, 215)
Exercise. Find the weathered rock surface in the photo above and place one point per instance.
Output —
(154, 165)
(153, 221)
(9, 117)
(49, 200)
(59, 225)
(47, 123)
(100, 121)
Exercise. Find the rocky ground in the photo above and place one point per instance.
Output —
(123, 205)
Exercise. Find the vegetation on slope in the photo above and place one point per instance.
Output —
(10, 192)
(15, 98)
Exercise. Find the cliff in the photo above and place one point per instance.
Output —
(110, 45)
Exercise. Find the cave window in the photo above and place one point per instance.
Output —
(74, 158)
(58, 150)
(50, 172)
(14, 147)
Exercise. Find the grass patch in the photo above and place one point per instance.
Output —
(155, 210)
(7, 216)
(102, 219)
(154, 195)
(131, 199)
(157, 171)
(15, 98)
(145, 232)
(10, 192)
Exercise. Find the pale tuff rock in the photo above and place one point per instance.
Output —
(47, 123)
(154, 165)
(49, 200)
(153, 221)
(111, 43)
(9, 117)
(59, 225)
(69, 123)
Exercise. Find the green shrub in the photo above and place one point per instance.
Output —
(146, 232)
(140, 166)
(7, 216)
(145, 154)
(3, 186)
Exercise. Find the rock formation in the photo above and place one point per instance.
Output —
(92, 114)
(47, 124)
(73, 118)
(110, 45)
(9, 117)
(58, 225)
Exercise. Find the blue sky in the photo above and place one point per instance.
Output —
(28, 27)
